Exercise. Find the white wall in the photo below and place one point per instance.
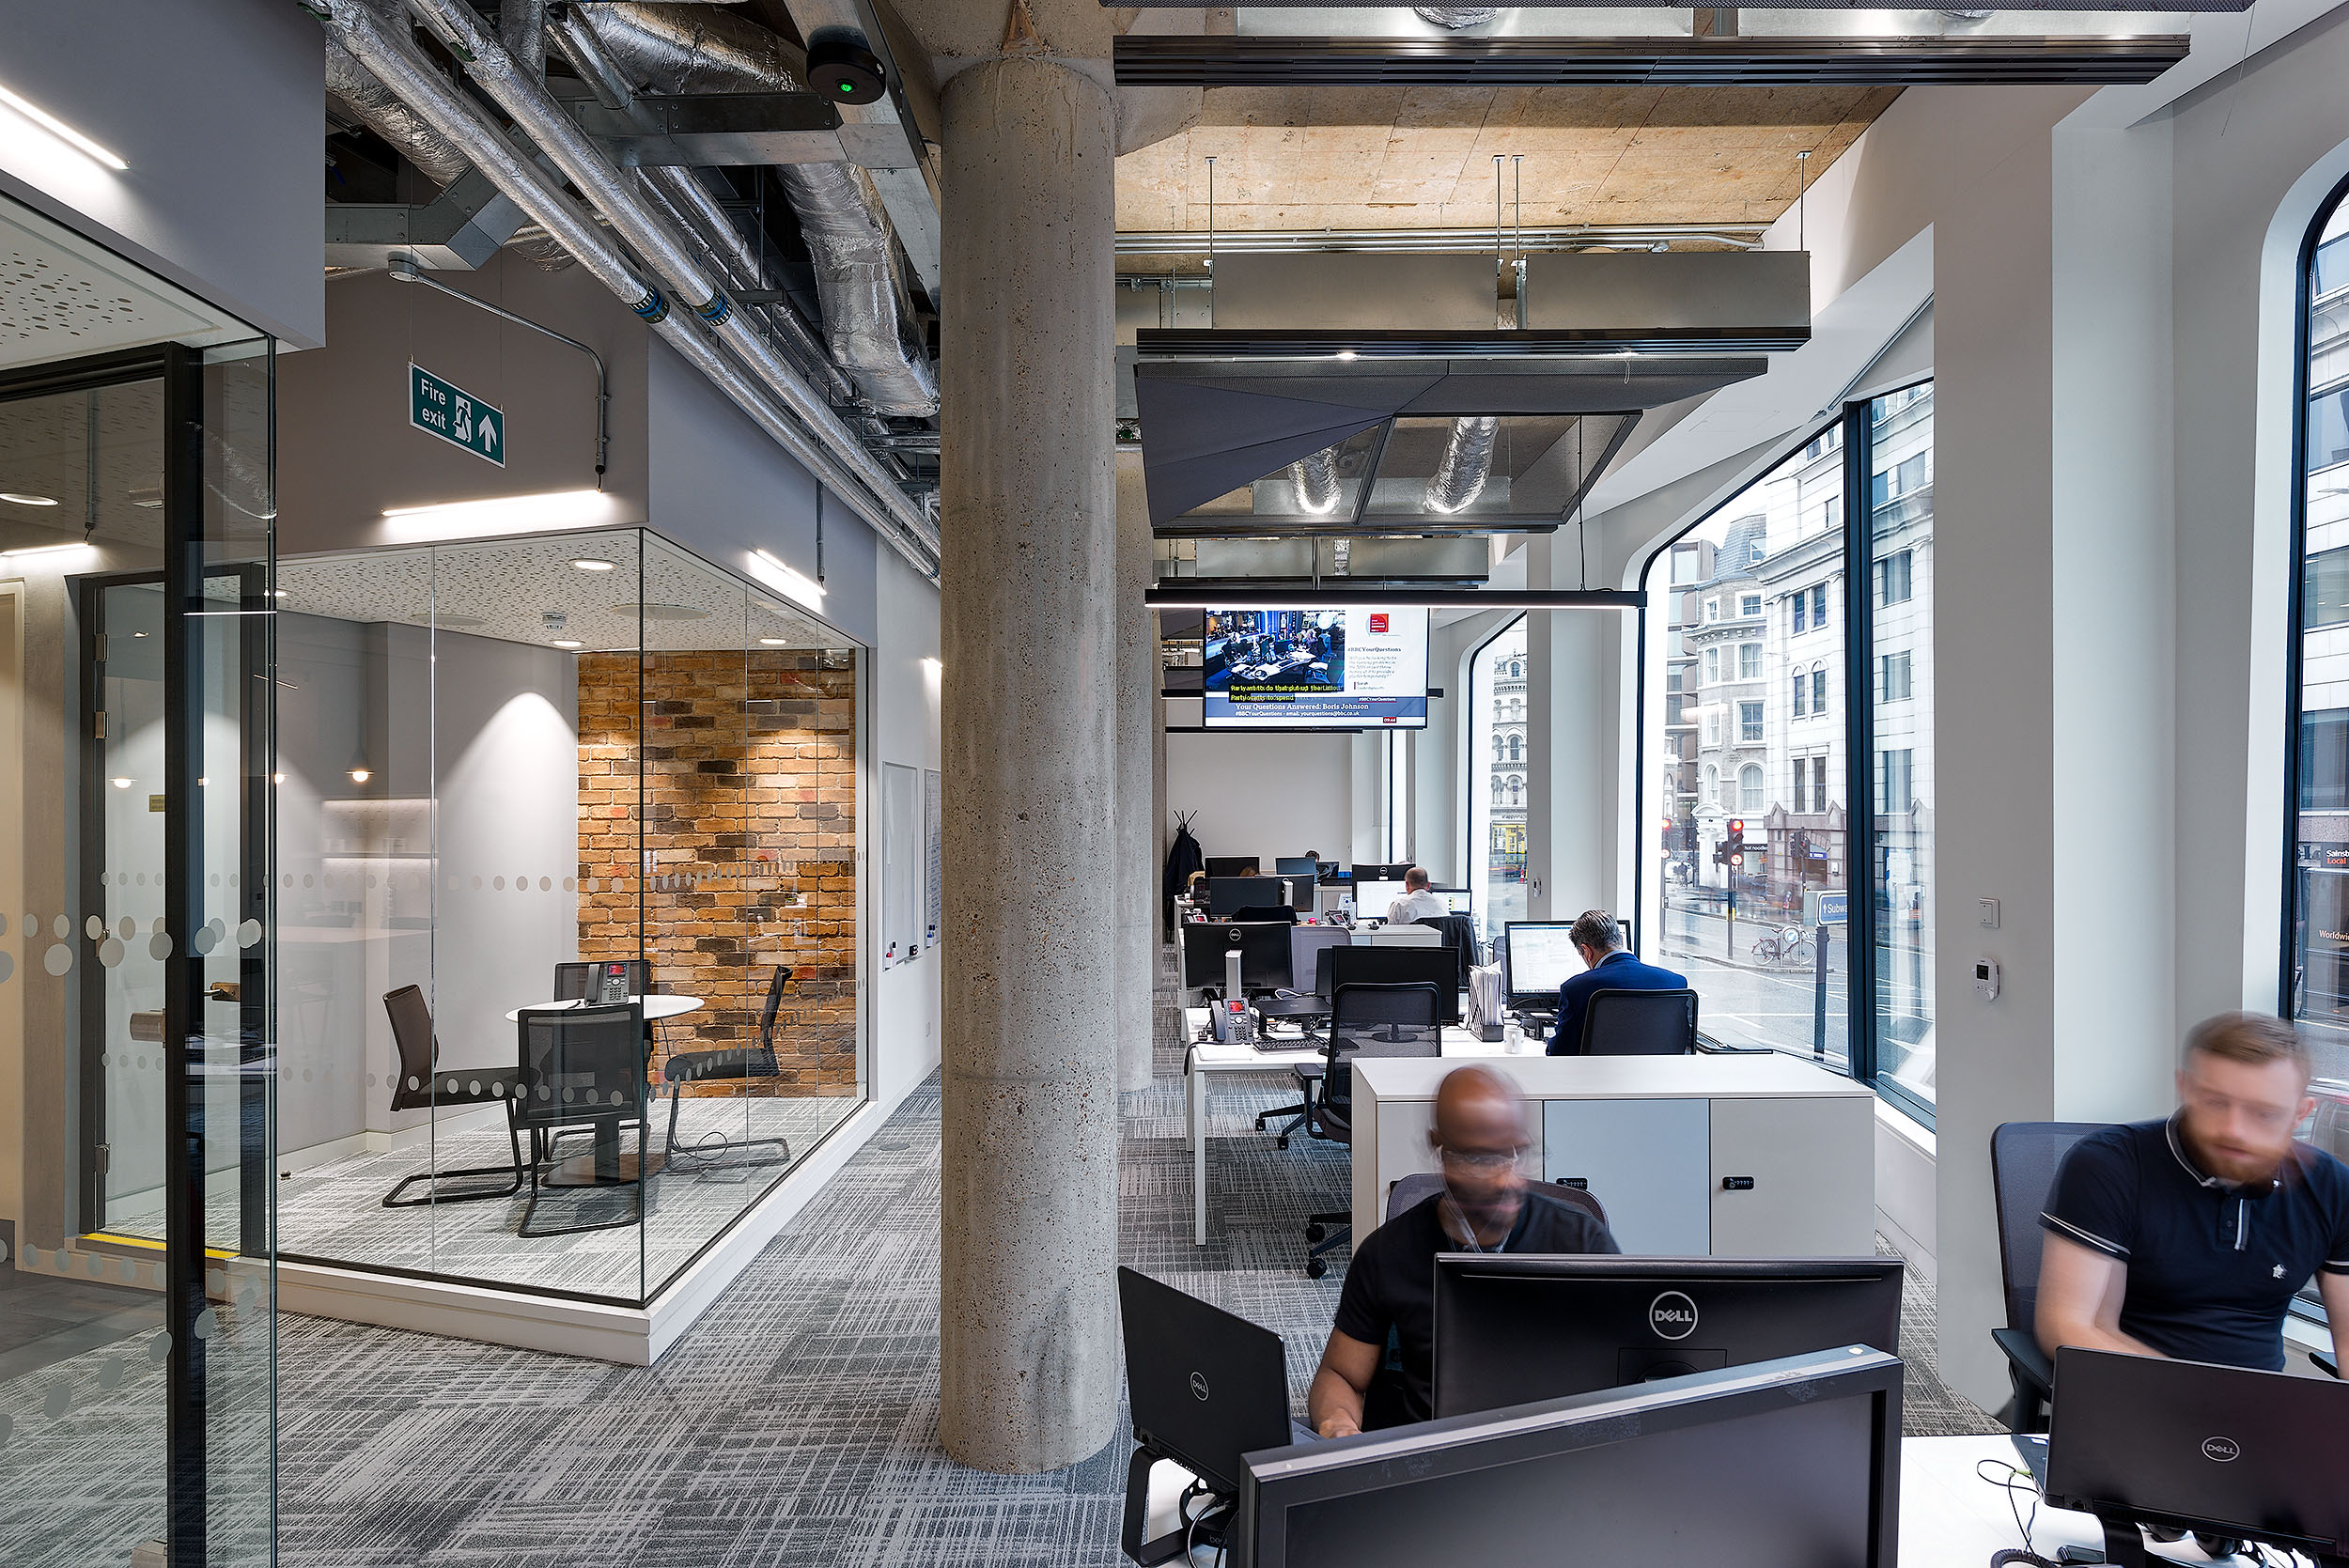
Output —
(218, 109)
(903, 695)
(1266, 795)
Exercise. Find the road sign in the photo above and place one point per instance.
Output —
(457, 416)
(1826, 907)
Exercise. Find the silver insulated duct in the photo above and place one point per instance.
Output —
(1457, 16)
(1315, 477)
(1466, 464)
(868, 314)
(378, 108)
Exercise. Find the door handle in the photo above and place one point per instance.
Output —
(1737, 1183)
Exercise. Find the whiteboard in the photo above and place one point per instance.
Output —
(903, 864)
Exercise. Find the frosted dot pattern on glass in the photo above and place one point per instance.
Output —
(58, 959)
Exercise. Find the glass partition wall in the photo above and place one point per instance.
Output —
(569, 831)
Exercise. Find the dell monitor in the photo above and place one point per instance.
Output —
(1263, 953)
(1297, 865)
(1366, 964)
(1390, 871)
(1228, 894)
(1372, 898)
(1204, 1386)
(1541, 1326)
(1788, 1463)
(1539, 956)
(1457, 901)
(2220, 1451)
(1229, 865)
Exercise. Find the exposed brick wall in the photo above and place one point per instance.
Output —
(748, 767)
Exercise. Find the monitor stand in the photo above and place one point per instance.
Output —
(1168, 1546)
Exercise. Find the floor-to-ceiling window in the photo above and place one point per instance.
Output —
(1787, 834)
(1498, 772)
(2315, 988)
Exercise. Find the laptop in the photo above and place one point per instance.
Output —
(1205, 1386)
(2222, 1451)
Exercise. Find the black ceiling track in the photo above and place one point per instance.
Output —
(1713, 62)
(1468, 343)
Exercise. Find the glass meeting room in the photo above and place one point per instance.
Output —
(567, 837)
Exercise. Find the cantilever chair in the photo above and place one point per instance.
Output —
(1364, 1021)
(737, 1062)
(422, 1084)
(1639, 1023)
(581, 1065)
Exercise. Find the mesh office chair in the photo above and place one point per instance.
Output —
(581, 1067)
(2024, 1157)
(1364, 1021)
(738, 1062)
(422, 1084)
(1639, 1023)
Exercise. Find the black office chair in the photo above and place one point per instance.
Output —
(738, 1062)
(577, 981)
(1639, 1023)
(1411, 1190)
(1308, 1073)
(1459, 934)
(582, 1068)
(2024, 1157)
(423, 1085)
(1364, 1021)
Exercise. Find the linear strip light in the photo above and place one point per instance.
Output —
(62, 131)
(786, 580)
(44, 549)
(502, 514)
(1394, 598)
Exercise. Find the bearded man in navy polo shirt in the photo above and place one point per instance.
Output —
(2188, 1236)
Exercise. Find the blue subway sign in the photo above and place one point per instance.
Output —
(457, 416)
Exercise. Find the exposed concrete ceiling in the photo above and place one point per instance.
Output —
(1299, 158)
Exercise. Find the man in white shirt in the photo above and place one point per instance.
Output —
(1417, 903)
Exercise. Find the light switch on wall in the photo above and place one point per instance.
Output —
(1989, 907)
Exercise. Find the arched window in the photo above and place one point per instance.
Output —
(1516, 789)
(1497, 748)
(1517, 669)
(1712, 783)
(2316, 731)
(1517, 748)
(1497, 787)
(1750, 788)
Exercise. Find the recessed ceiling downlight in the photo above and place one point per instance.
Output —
(568, 643)
(590, 563)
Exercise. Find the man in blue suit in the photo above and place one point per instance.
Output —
(1607, 966)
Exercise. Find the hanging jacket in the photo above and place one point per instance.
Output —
(1182, 857)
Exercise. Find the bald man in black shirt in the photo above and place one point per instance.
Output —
(1479, 1135)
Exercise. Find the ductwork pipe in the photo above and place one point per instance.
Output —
(1317, 480)
(381, 110)
(1466, 464)
(868, 312)
(802, 425)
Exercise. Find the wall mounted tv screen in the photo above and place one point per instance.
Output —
(1316, 669)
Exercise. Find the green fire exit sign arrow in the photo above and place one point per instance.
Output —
(455, 415)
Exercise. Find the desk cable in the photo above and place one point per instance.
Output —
(2016, 1480)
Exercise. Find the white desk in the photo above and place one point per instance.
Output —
(1724, 1156)
(1207, 1059)
(1950, 1517)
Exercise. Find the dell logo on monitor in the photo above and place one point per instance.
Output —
(1672, 1315)
(2221, 1449)
(1198, 1386)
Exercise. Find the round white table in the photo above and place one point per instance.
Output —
(608, 1164)
(661, 1006)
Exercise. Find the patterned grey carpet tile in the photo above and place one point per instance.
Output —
(794, 1426)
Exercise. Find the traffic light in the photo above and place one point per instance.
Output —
(1732, 851)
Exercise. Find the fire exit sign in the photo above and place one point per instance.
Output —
(457, 416)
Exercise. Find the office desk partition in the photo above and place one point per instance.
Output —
(1727, 1155)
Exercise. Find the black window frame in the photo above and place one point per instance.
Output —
(1860, 784)
(2289, 980)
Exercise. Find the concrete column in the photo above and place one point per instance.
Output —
(1139, 871)
(1029, 1353)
